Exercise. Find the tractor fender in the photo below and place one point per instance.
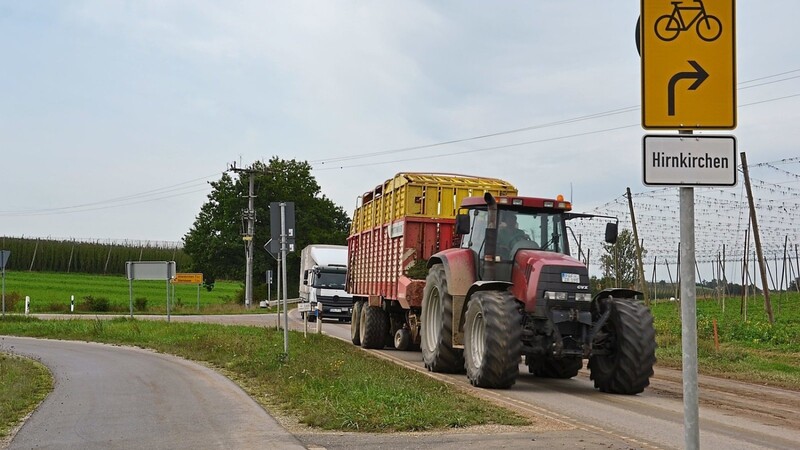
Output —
(459, 268)
(477, 287)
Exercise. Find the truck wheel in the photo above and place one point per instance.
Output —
(556, 368)
(355, 321)
(628, 343)
(402, 339)
(372, 326)
(492, 340)
(437, 325)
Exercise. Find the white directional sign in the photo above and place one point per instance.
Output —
(689, 160)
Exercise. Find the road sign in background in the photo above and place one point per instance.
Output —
(688, 64)
(689, 160)
(188, 278)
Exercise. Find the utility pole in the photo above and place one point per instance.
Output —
(248, 231)
(639, 264)
(757, 239)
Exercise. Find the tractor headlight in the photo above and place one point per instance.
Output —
(583, 297)
(551, 295)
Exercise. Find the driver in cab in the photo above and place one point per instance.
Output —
(508, 234)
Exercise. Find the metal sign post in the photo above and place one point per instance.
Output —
(285, 292)
(688, 68)
(691, 414)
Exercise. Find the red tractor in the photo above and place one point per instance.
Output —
(512, 290)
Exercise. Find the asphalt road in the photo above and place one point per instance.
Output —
(109, 397)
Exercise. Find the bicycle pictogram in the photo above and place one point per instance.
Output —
(669, 26)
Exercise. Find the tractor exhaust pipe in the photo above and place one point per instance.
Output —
(490, 249)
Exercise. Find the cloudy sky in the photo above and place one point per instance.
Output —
(115, 114)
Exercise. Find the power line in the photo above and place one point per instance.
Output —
(538, 141)
(612, 112)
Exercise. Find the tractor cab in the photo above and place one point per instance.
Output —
(496, 229)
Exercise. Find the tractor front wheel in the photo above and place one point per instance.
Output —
(492, 340)
(624, 350)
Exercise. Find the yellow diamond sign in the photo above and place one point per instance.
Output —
(688, 64)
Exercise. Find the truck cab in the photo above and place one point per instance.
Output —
(322, 281)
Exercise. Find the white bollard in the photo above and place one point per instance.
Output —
(71, 303)
(27, 305)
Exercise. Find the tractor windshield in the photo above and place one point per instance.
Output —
(519, 229)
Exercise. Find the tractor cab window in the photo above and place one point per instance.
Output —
(530, 230)
(476, 238)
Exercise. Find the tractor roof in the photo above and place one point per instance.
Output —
(558, 204)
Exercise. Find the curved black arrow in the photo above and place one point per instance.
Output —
(699, 76)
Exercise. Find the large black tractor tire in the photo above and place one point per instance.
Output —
(437, 325)
(629, 338)
(373, 326)
(556, 368)
(492, 340)
(355, 323)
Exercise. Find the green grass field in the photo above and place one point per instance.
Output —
(50, 293)
(750, 349)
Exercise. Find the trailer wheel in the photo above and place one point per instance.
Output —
(355, 321)
(628, 345)
(373, 326)
(555, 368)
(492, 340)
(402, 339)
(437, 325)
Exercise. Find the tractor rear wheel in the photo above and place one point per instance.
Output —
(355, 323)
(373, 326)
(437, 325)
(492, 340)
(555, 368)
(628, 345)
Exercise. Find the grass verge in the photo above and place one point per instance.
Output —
(324, 382)
(24, 383)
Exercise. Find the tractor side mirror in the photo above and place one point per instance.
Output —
(611, 233)
(462, 224)
(305, 277)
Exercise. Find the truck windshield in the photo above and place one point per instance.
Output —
(329, 280)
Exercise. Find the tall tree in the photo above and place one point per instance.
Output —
(215, 240)
(619, 260)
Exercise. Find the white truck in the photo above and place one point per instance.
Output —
(322, 273)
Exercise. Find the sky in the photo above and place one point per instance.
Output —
(115, 115)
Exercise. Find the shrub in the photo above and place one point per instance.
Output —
(95, 304)
(140, 304)
(12, 298)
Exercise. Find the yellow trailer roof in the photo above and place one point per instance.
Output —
(418, 194)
